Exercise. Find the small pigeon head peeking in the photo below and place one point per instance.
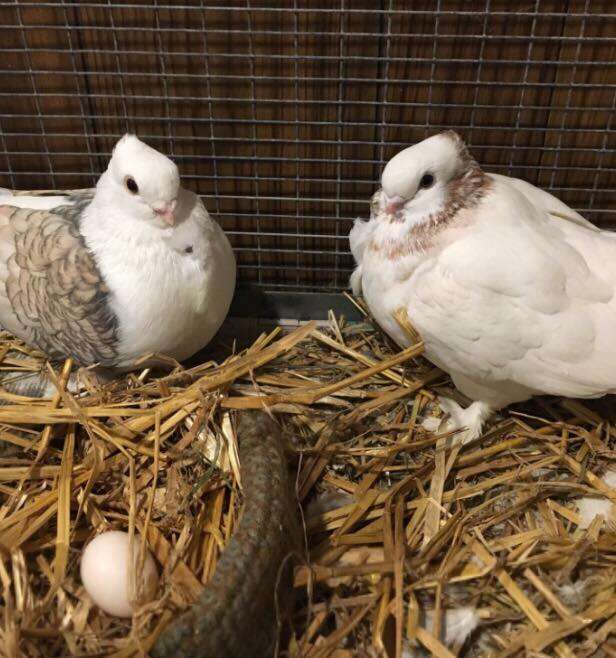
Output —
(145, 181)
(415, 182)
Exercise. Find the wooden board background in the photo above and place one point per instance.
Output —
(281, 114)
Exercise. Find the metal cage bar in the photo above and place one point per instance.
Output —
(282, 115)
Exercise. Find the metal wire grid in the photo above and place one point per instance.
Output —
(283, 116)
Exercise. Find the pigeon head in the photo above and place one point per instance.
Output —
(144, 181)
(416, 182)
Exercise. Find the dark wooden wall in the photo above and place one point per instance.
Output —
(281, 115)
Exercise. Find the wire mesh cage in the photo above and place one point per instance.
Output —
(282, 115)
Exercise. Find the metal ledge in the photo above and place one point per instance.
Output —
(255, 303)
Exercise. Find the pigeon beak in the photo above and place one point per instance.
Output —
(167, 212)
(168, 217)
(394, 205)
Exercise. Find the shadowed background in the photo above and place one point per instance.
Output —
(281, 115)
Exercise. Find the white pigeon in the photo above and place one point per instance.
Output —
(108, 275)
(510, 289)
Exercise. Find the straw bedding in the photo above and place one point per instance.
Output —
(412, 545)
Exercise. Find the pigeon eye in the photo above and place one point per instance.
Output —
(131, 185)
(427, 180)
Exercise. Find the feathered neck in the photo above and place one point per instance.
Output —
(108, 226)
(463, 192)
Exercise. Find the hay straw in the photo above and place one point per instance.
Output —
(415, 526)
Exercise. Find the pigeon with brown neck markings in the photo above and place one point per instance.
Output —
(511, 290)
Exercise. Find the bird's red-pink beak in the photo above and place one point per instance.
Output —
(167, 212)
(394, 205)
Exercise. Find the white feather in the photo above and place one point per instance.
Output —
(459, 623)
(456, 626)
(589, 507)
(33, 202)
(359, 237)
(545, 200)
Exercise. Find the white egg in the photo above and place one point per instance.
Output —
(105, 565)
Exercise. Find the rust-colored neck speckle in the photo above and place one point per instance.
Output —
(463, 192)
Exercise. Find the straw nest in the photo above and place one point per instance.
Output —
(413, 545)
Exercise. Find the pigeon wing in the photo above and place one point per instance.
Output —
(51, 291)
(518, 300)
(545, 201)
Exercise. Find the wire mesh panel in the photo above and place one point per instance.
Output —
(281, 115)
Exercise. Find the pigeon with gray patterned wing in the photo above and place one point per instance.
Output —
(132, 267)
